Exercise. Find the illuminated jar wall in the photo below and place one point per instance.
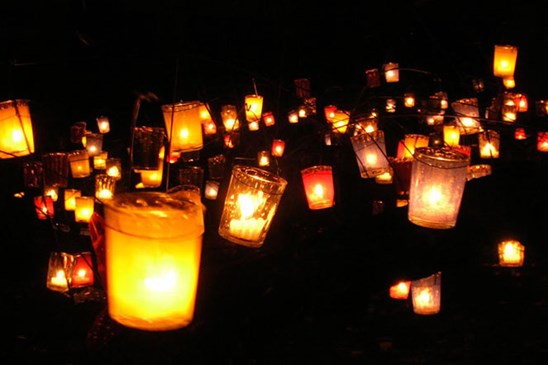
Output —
(153, 247)
(318, 186)
(370, 151)
(251, 202)
(183, 126)
(426, 294)
(16, 134)
(438, 178)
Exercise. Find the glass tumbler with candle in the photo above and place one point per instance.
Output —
(251, 202)
(153, 249)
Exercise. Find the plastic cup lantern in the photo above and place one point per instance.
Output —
(16, 134)
(153, 246)
(511, 253)
(250, 205)
(438, 178)
(318, 186)
(504, 61)
(184, 126)
(370, 151)
(426, 294)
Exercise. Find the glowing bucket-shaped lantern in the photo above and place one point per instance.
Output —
(252, 199)
(318, 186)
(113, 167)
(467, 113)
(426, 294)
(489, 144)
(184, 126)
(542, 141)
(103, 124)
(253, 109)
(16, 135)
(104, 186)
(451, 135)
(438, 178)
(400, 290)
(70, 198)
(153, 246)
(504, 60)
(83, 208)
(511, 253)
(79, 164)
(370, 151)
(67, 271)
(57, 278)
(392, 72)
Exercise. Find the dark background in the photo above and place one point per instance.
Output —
(317, 291)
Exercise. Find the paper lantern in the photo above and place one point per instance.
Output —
(57, 278)
(504, 60)
(293, 117)
(400, 290)
(229, 116)
(268, 119)
(83, 208)
(69, 196)
(103, 124)
(392, 72)
(153, 248)
(278, 147)
(105, 186)
(184, 126)
(44, 207)
(80, 270)
(489, 144)
(329, 112)
(94, 143)
(467, 112)
(263, 158)
(114, 167)
(51, 191)
(511, 253)
(253, 107)
(16, 133)
(370, 152)
(79, 164)
(211, 189)
(520, 134)
(409, 100)
(451, 135)
(542, 141)
(438, 178)
(340, 121)
(318, 186)
(251, 202)
(100, 161)
(426, 294)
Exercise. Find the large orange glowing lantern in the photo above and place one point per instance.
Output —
(184, 126)
(318, 186)
(16, 134)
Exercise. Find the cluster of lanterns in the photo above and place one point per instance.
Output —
(154, 238)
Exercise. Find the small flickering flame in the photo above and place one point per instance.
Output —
(434, 196)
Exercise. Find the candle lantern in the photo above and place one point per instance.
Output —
(16, 134)
(392, 72)
(80, 270)
(366, 125)
(401, 178)
(400, 290)
(409, 100)
(153, 249)
(114, 167)
(451, 135)
(229, 115)
(263, 158)
(318, 186)
(253, 108)
(83, 208)
(489, 144)
(411, 141)
(51, 191)
(438, 178)
(522, 104)
(151, 178)
(504, 60)
(103, 124)
(253, 125)
(390, 105)
(511, 253)
(370, 151)
(278, 148)
(56, 169)
(211, 189)
(79, 164)
(467, 112)
(184, 126)
(542, 141)
(252, 199)
(33, 173)
(268, 119)
(44, 207)
(329, 112)
(340, 121)
(104, 186)
(100, 161)
(208, 124)
(373, 78)
(148, 143)
(69, 196)
(231, 140)
(293, 117)
(57, 278)
(77, 132)
(426, 294)
(520, 134)
(509, 82)
(94, 143)
(509, 110)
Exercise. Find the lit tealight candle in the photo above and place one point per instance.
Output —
(400, 290)
(247, 227)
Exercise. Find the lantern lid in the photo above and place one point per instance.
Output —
(445, 154)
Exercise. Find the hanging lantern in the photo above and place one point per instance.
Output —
(100, 161)
(211, 189)
(438, 177)
(467, 113)
(148, 145)
(373, 78)
(390, 105)
(366, 125)
(251, 202)
(400, 290)
(542, 141)
(520, 134)
(318, 186)
(79, 164)
(57, 278)
(489, 144)
(263, 158)
(411, 141)
(70, 198)
(114, 167)
(426, 294)
(509, 82)
(231, 139)
(329, 112)
(103, 124)
(43, 205)
(83, 208)
(504, 60)
(409, 100)
(16, 134)
(509, 109)
(253, 126)
(511, 253)
(253, 108)
(56, 169)
(293, 117)
(370, 151)
(80, 270)
(522, 105)
(278, 148)
(392, 72)
(229, 116)
(209, 126)
(94, 143)
(451, 135)
(340, 121)
(268, 119)
(104, 186)
(153, 246)
(184, 126)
